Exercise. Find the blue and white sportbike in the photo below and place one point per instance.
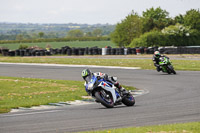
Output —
(106, 93)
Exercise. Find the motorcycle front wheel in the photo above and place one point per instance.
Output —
(105, 100)
(128, 100)
(172, 69)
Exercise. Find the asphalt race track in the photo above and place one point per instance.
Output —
(171, 99)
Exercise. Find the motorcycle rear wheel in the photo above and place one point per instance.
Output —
(105, 101)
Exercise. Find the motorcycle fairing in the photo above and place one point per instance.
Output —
(107, 87)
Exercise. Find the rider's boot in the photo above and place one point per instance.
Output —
(121, 89)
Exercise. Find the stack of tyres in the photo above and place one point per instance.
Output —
(69, 51)
(42, 53)
(113, 51)
(95, 51)
(121, 51)
(161, 50)
(17, 52)
(74, 51)
(150, 50)
(64, 51)
(5, 52)
(28, 52)
(37, 53)
(22, 52)
(117, 51)
(90, 51)
(81, 51)
(86, 51)
(108, 52)
(155, 48)
(47, 53)
(11, 53)
(52, 51)
(146, 50)
(100, 51)
(59, 51)
(131, 51)
(142, 50)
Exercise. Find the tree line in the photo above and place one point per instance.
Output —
(155, 28)
(15, 31)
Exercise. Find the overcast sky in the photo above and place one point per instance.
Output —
(85, 11)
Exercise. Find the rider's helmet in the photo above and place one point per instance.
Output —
(157, 54)
(86, 73)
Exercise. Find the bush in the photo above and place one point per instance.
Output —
(23, 46)
(156, 38)
(149, 39)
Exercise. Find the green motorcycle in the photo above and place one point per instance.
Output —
(166, 65)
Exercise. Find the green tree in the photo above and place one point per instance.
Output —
(179, 35)
(179, 19)
(19, 37)
(148, 39)
(192, 19)
(127, 30)
(88, 34)
(41, 34)
(97, 32)
(75, 33)
(155, 19)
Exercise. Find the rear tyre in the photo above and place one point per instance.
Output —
(104, 100)
(128, 100)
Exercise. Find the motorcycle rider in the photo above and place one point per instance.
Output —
(156, 60)
(86, 73)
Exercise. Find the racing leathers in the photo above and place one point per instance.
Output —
(110, 79)
(156, 61)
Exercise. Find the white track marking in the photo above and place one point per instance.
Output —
(31, 113)
(63, 65)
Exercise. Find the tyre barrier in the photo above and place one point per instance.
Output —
(5, 52)
(138, 51)
(100, 51)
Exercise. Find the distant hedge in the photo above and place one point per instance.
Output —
(57, 40)
(156, 38)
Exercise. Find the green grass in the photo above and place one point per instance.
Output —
(82, 44)
(27, 92)
(192, 127)
(193, 65)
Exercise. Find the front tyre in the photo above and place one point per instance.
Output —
(128, 100)
(172, 69)
(106, 101)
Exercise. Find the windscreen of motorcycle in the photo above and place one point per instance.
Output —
(88, 78)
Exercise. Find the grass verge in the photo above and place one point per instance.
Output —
(82, 44)
(192, 127)
(27, 92)
(192, 65)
